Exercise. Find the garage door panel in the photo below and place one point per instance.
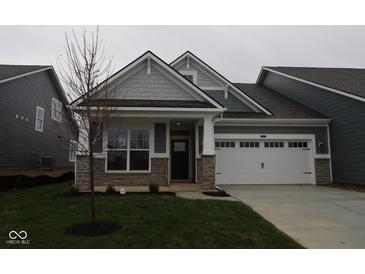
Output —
(264, 165)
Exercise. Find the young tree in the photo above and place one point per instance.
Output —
(84, 70)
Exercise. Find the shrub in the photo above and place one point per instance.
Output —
(74, 190)
(110, 189)
(154, 188)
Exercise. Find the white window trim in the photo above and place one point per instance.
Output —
(70, 154)
(59, 109)
(192, 73)
(128, 150)
(36, 119)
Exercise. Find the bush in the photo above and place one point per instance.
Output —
(74, 190)
(110, 189)
(154, 188)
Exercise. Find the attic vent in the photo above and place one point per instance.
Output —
(226, 92)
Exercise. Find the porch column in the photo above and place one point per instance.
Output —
(208, 136)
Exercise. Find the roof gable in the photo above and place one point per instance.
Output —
(188, 60)
(150, 78)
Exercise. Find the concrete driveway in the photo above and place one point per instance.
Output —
(315, 216)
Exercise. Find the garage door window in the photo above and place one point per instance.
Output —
(274, 144)
(298, 144)
(225, 144)
(249, 144)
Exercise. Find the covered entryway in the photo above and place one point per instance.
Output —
(257, 161)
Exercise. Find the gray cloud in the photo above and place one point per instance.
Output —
(238, 52)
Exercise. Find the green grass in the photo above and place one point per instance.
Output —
(148, 221)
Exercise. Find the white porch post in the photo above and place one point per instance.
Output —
(208, 136)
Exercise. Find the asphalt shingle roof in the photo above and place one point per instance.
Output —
(280, 106)
(9, 71)
(148, 103)
(349, 80)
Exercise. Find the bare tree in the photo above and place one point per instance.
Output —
(84, 70)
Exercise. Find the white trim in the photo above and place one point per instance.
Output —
(23, 75)
(240, 92)
(153, 57)
(359, 98)
(192, 73)
(36, 119)
(271, 122)
(329, 150)
(212, 88)
(153, 109)
(70, 151)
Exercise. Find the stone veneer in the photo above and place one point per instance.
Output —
(158, 174)
(206, 172)
(323, 171)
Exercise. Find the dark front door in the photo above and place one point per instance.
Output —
(179, 160)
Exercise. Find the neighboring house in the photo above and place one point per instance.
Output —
(34, 120)
(338, 93)
(185, 122)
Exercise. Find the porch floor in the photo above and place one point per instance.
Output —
(174, 187)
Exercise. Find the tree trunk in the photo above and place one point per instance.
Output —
(92, 192)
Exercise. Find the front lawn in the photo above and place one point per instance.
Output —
(148, 221)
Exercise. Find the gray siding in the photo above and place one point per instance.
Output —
(140, 86)
(232, 103)
(204, 77)
(319, 132)
(347, 129)
(20, 144)
(160, 138)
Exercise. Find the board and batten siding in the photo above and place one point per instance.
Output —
(20, 144)
(347, 127)
(319, 132)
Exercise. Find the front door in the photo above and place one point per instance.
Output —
(179, 160)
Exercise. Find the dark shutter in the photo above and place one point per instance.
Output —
(160, 138)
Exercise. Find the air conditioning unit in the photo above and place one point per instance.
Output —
(47, 162)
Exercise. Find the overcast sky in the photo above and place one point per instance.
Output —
(237, 52)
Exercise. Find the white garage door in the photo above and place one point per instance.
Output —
(264, 162)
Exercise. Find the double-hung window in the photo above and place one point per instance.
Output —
(56, 111)
(128, 150)
(39, 119)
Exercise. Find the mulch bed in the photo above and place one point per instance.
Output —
(90, 229)
(68, 194)
(220, 193)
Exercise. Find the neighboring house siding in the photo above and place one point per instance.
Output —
(347, 129)
(204, 78)
(232, 103)
(20, 144)
(140, 86)
(319, 132)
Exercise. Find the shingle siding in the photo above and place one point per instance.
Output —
(140, 86)
(347, 129)
(319, 132)
(205, 78)
(20, 144)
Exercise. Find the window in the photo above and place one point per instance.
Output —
(128, 150)
(190, 76)
(274, 144)
(249, 144)
(72, 151)
(56, 112)
(39, 119)
(225, 144)
(298, 144)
